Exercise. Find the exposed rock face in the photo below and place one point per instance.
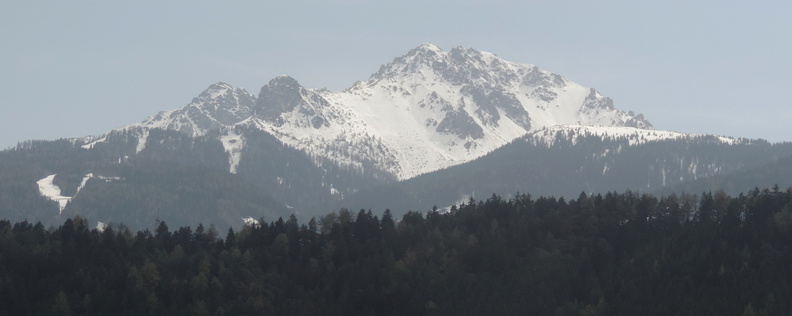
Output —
(426, 110)
(217, 107)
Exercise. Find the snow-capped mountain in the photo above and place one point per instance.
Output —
(219, 106)
(452, 125)
(424, 111)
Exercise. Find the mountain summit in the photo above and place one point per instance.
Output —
(431, 127)
(427, 110)
(219, 106)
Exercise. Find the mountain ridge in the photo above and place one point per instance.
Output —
(430, 127)
(426, 110)
(563, 161)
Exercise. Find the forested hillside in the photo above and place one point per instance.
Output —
(612, 254)
(579, 162)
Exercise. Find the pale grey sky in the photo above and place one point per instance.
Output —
(78, 68)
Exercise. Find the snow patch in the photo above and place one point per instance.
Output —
(48, 189)
(142, 141)
(634, 136)
(462, 201)
(233, 144)
(94, 142)
(84, 181)
(251, 222)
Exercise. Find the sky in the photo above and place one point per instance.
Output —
(80, 68)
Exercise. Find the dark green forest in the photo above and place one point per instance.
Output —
(612, 254)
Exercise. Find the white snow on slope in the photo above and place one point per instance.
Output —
(51, 191)
(142, 141)
(634, 136)
(402, 109)
(93, 142)
(83, 182)
(251, 222)
(48, 189)
(233, 144)
(427, 110)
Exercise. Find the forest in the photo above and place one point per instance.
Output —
(600, 254)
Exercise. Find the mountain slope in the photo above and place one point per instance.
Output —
(425, 111)
(431, 127)
(776, 173)
(179, 179)
(567, 160)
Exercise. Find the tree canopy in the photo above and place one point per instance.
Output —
(613, 254)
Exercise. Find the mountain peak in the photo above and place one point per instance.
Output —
(283, 101)
(458, 66)
(282, 78)
(281, 94)
(426, 110)
(218, 106)
(283, 82)
(216, 90)
(428, 47)
(220, 85)
(425, 55)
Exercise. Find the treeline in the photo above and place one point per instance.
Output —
(612, 254)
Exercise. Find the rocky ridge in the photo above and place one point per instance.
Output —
(427, 110)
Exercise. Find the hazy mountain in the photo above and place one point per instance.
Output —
(431, 127)
(425, 111)
(569, 160)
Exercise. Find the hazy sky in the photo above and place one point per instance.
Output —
(77, 68)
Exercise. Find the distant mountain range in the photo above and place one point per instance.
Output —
(430, 128)
(424, 111)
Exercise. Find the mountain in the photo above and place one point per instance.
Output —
(431, 127)
(424, 111)
(176, 179)
(565, 161)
